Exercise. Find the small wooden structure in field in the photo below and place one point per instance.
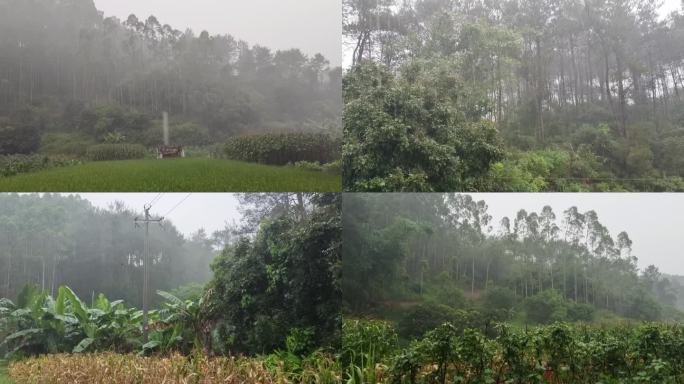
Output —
(168, 151)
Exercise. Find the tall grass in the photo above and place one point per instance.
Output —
(114, 369)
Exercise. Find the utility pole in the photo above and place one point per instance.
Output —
(147, 220)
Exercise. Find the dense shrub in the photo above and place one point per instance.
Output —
(423, 318)
(499, 297)
(264, 287)
(335, 167)
(283, 148)
(406, 134)
(15, 164)
(103, 120)
(66, 144)
(580, 312)
(546, 307)
(103, 152)
(18, 140)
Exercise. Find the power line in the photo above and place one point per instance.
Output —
(177, 205)
(155, 200)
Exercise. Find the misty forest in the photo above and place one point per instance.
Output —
(78, 87)
(538, 95)
(434, 291)
(255, 302)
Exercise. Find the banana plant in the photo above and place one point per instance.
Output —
(38, 324)
(179, 325)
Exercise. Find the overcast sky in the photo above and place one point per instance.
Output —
(654, 221)
(669, 6)
(200, 210)
(314, 26)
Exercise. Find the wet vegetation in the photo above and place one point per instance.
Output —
(434, 292)
(77, 84)
(268, 311)
(512, 95)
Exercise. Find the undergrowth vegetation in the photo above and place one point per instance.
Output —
(283, 148)
(104, 152)
(559, 353)
(11, 165)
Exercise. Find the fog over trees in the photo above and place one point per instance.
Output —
(444, 248)
(52, 240)
(584, 95)
(67, 69)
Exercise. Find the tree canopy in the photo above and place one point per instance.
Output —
(408, 248)
(67, 68)
(585, 95)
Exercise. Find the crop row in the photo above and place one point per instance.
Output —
(558, 353)
(283, 148)
(115, 368)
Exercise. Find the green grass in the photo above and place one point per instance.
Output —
(4, 378)
(172, 175)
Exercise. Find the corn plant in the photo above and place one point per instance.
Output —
(283, 148)
(104, 152)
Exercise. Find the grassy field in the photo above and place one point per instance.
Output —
(180, 175)
(4, 378)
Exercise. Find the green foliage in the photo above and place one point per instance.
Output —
(285, 278)
(580, 312)
(197, 174)
(403, 135)
(364, 340)
(549, 306)
(107, 152)
(559, 353)
(66, 144)
(641, 306)
(422, 70)
(12, 165)
(546, 307)
(424, 317)
(40, 324)
(188, 134)
(283, 148)
(113, 124)
(18, 140)
(499, 297)
(402, 250)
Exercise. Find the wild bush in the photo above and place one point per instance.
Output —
(105, 152)
(283, 148)
(15, 164)
(17, 139)
(66, 144)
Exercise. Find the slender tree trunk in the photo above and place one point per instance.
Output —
(540, 93)
(472, 280)
(622, 97)
(575, 278)
(674, 81)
